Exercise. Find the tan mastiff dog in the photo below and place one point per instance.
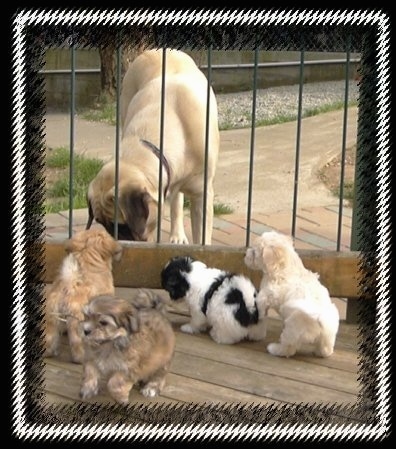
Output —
(183, 154)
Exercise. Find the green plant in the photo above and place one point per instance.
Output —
(218, 208)
(222, 209)
(284, 118)
(103, 111)
(329, 174)
(58, 177)
(58, 158)
(348, 191)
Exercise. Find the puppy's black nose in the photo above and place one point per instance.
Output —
(87, 331)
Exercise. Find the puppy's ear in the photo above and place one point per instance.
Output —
(117, 251)
(130, 320)
(68, 246)
(135, 208)
(134, 322)
(73, 244)
(113, 247)
(274, 257)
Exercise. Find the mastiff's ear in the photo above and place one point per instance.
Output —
(107, 203)
(135, 208)
(90, 214)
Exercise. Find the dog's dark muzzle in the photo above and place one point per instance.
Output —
(124, 232)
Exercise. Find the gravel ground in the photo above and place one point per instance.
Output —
(235, 109)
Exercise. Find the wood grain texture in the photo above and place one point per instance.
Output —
(203, 371)
(141, 264)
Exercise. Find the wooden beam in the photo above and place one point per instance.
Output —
(141, 264)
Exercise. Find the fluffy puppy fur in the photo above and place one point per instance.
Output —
(222, 301)
(126, 345)
(85, 272)
(297, 295)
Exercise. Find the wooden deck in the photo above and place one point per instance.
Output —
(205, 372)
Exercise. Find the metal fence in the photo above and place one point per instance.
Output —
(252, 169)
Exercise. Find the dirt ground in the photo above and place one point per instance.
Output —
(329, 174)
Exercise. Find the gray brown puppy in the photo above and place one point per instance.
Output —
(183, 159)
(85, 272)
(126, 344)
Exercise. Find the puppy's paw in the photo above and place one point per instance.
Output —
(149, 391)
(188, 329)
(88, 390)
(51, 347)
(223, 339)
(77, 354)
(78, 358)
(280, 350)
(324, 351)
(50, 353)
(258, 331)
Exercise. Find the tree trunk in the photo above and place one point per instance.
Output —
(108, 69)
(107, 72)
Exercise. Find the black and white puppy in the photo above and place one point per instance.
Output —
(224, 302)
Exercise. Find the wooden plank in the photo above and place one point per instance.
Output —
(188, 389)
(65, 386)
(141, 264)
(55, 399)
(198, 379)
(287, 368)
(62, 385)
(250, 381)
(344, 356)
(202, 369)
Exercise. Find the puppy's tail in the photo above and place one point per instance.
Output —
(147, 299)
(326, 316)
(330, 319)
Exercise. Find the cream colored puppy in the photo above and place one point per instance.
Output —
(304, 304)
(182, 159)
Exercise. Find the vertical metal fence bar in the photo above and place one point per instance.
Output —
(256, 65)
(161, 145)
(72, 113)
(298, 142)
(204, 205)
(252, 144)
(343, 150)
(118, 137)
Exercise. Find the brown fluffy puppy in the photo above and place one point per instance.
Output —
(126, 345)
(85, 272)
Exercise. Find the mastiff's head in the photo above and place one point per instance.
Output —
(136, 205)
